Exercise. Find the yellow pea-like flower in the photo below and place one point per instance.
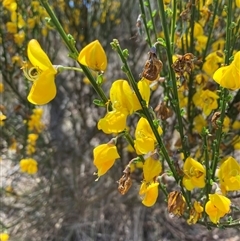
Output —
(93, 56)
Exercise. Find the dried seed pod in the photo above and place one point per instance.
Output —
(184, 63)
(176, 203)
(214, 119)
(124, 184)
(152, 67)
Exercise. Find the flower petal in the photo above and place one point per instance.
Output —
(43, 89)
(38, 57)
(93, 56)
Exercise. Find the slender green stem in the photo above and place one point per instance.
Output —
(208, 174)
(151, 17)
(147, 114)
(192, 23)
(216, 3)
(70, 43)
(173, 23)
(223, 94)
(145, 22)
(185, 147)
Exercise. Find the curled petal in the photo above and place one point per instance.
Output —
(43, 89)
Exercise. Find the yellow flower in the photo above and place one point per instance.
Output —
(195, 213)
(29, 165)
(1, 87)
(229, 175)
(212, 62)
(42, 73)
(217, 207)
(201, 43)
(4, 237)
(199, 122)
(145, 138)
(93, 56)
(104, 157)
(229, 76)
(113, 122)
(194, 174)
(124, 102)
(11, 5)
(198, 30)
(149, 191)
(19, 38)
(238, 3)
(35, 122)
(207, 100)
(2, 118)
(151, 168)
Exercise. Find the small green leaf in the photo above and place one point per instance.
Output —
(145, 3)
(154, 13)
(98, 103)
(162, 42)
(150, 25)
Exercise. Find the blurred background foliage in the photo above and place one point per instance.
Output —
(63, 201)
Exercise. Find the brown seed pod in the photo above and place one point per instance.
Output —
(152, 67)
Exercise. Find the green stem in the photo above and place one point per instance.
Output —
(153, 24)
(70, 43)
(223, 95)
(208, 174)
(185, 147)
(173, 23)
(210, 31)
(145, 22)
(148, 115)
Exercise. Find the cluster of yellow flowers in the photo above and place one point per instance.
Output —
(35, 125)
(198, 170)
(18, 22)
(123, 103)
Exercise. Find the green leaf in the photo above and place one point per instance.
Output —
(98, 103)
(145, 3)
(150, 25)
(154, 13)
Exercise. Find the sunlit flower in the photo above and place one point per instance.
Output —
(212, 62)
(4, 237)
(113, 122)
(151, 168)
(124, 102)
(207, 100)
(194, 174)
(104, 157)
(93, 56)
(28, 165)
(217, 206)
(229, 76)
(42, 73)
(145, 138)
(229, 175)
(149, 193)
(195, 213)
